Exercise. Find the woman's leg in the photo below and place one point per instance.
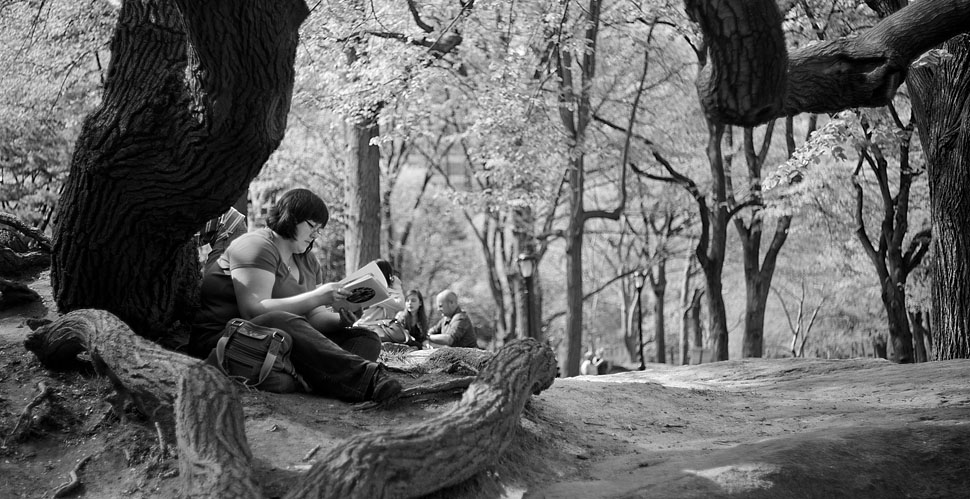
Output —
(328, 368)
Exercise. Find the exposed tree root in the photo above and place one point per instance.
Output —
(452, 447)
(74, 482)
(23, 422)
(203, 409)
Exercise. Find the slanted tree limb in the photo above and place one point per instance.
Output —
(32, 232)
(138, 368)
(399, 462)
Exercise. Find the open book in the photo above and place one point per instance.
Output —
(366, 286)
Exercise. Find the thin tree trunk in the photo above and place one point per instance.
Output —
(711, 258)
(686, 293)
(919, 333)
(694, 325)
(574, 271)
(757, 273)
(526, 310)
(658, 285)
(362, 196)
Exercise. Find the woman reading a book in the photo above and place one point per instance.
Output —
(270, 277)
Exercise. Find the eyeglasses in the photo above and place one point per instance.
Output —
(314, 229)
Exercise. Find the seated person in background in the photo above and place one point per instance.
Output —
(588, 366)
(374, 316)
(221, 231)
(455, 328)
(270, 277)
(415, 318)
(599, 361)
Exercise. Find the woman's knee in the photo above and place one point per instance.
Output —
(364, 342)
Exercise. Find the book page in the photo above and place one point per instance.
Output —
(369, 269)
(366, 287)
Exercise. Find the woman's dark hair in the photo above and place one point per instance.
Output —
(420, 320)
(387, 269)
(295, 206)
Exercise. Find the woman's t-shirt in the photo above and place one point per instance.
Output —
(259, 250)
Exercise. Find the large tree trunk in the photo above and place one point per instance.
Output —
(177, 138)
(362, 196)
(941, 101)
(201, 408)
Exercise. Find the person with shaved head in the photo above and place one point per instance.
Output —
(455, 328)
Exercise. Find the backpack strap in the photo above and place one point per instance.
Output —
(220, 351)
(271, 355)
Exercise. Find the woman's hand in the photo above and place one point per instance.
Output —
(347, 318)
(330, 292)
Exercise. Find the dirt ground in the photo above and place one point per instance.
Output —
(748, 428)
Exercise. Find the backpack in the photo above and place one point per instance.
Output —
(257, 356)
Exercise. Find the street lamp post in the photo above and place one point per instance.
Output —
(638, 280)
(527, 267)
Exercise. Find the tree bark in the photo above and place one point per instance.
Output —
(743, 82)
(398, 462)
(195, 100)
(941, 101)
(214, 455)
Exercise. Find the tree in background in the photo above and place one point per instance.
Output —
(50, 69)
(381, 57)
(871, 67)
